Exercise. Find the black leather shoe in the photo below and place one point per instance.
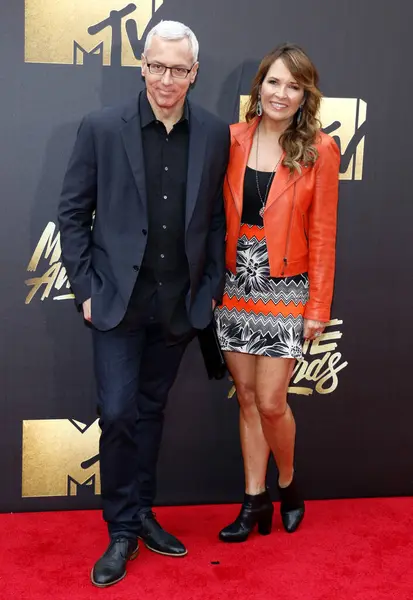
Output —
(292, 507)
(111, 567)
(255, 510)
(157, 539)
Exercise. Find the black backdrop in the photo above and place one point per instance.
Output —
(352, 397)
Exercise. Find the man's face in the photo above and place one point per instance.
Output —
(166, 90)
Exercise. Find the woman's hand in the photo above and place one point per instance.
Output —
(313, 329)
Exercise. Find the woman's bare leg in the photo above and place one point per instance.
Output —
(278, 425)
(255, 450)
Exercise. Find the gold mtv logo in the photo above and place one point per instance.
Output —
(71, 32)
(345, 120)
(59, 456)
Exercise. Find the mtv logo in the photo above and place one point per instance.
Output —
(72, 32)
(345, 120)
(59, 457)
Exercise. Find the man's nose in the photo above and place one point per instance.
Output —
(167, 78)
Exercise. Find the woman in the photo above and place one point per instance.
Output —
(280, 195)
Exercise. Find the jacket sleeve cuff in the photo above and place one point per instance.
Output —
(82, 292)
(318, 313)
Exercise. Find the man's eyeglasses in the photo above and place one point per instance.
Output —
(176, 72)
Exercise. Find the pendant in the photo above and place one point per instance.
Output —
(261, 213)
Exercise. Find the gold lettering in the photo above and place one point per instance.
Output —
(317, 347)
(315, 367)
(301, 391)
(300, 369)
(46, 246)
(312, 372)
(331, 374)
(48, 280)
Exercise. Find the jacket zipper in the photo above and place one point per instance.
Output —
(305, 231)
(287, 245)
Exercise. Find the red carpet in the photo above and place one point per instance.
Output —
(345, 550)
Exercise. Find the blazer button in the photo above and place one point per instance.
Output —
(135, 268)
(144, 231)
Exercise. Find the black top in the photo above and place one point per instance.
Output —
(252, 202)
(166, 165)
(164, 269)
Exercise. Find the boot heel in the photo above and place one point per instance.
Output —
(255, 510)
(265, 525)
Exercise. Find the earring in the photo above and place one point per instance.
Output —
(259, 106)
(299, 115)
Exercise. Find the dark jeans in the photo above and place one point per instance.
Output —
(135, 368)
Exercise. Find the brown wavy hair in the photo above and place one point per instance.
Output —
(299, 138)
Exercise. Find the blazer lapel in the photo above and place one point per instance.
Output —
(197, 147)
(282, 181)
(132, 140)
(240, 152)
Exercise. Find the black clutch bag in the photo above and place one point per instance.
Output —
(211, 352)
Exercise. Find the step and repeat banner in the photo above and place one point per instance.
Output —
(352, 394)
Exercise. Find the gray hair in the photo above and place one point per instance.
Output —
(173, 30)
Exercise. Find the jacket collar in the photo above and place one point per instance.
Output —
(132, 138)
(243, 138)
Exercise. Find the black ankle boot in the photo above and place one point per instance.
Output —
(255, 510)
(292, 507)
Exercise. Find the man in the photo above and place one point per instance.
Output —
(147, 274)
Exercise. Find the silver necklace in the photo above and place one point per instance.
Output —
(272, 175)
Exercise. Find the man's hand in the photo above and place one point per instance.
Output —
(313, 329)
(214, 303)
(87, 310)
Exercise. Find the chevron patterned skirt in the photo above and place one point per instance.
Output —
(260, 314)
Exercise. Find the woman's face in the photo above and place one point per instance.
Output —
(281, 95)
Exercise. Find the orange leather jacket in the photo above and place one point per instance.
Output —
(299, 219)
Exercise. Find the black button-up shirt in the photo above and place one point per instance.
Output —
(164, 270)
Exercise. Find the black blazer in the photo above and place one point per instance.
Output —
(106, 175)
